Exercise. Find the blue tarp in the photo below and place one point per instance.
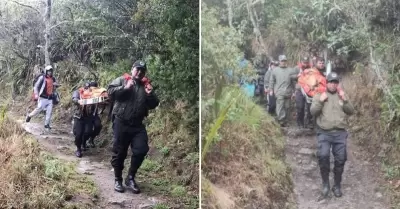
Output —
(248, 86)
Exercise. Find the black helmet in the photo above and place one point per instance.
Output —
(86, 85)
(93, 84)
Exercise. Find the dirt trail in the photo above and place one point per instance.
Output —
(360, 185)
(59, 141)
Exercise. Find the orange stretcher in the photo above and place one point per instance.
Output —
(92, 95)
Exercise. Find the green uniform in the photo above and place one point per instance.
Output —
(331, 114)
(267, 76)
(282, 83)
(297, 71)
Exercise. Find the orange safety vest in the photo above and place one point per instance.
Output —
(146, 81)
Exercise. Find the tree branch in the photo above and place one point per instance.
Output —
(72, 21)
(27, 6)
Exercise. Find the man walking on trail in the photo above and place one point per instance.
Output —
(133, 100)
(301, 103)
(331, 109)
(310, 82)
(281, 85)
(43, 92)
(97, 126)
(83, 121)
(271, 100)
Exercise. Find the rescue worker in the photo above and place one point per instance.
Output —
(301, 100)
(83, 121)
(310, 82)
(271, 100)
(97, 126)
(331, 109)
(43, 93)
(132, 100)
(281, 85)
(260, 70)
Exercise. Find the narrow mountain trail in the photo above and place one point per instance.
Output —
(361, 179)
(60, 142)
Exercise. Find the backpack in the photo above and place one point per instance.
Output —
(36, 78)
(56, 98)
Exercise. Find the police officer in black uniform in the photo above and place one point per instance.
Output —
(132, 100)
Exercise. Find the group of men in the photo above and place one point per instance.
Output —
(320, 104)
(132, 97)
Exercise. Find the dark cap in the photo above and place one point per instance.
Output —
(93, 84)
(332, 77)
(140, 64)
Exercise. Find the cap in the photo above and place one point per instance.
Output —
(332, 77)
(93, 84)
(282, 58)
(140, 64)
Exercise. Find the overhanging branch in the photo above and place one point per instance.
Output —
(27, 6)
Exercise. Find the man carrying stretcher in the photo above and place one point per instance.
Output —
(311, 81)
(87, 124)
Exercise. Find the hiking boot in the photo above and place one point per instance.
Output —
(130, 182)
(118, 186)
(47, 127)
(27, 119)
(337, 191)
(78, 153)
(325, 190)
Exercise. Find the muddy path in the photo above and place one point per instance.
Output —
(361, 179)
(60, 142)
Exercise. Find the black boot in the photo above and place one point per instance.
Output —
(78, 153)
(130, 182)
(325, 184)
(118, 186)
(336, 189)
(27, 119)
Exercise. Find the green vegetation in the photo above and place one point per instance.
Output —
(100, 40)
(34, 179)
(240, 143)
(360, 37)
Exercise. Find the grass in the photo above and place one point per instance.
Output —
(246, 149)
(32, 178)
(372, 131)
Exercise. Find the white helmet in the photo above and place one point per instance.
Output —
(48, 67)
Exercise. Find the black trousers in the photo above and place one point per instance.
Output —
(301, 107)
(97, 127)
(125, 136)
(338, 141)
(83, 129)
(271, 104)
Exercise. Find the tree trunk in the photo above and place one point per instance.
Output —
(230, 12)
(47, 49)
